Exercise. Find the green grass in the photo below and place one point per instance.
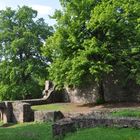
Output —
(42, 131)
(105, 134)
(55, 107)
(126, 113)
(26, 131)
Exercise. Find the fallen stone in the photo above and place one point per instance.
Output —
(45, 116)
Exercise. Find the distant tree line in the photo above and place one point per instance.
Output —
(22, 67)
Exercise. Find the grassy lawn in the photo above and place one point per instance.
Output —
(105, 134)
(42, 131)
(26, 131)
(56, 107)
(127, 113)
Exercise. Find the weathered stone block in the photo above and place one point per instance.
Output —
(7, 112)
(63, 127)
(84, 94)
(22, 112)
(43, 116)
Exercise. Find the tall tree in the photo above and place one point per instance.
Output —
(21, 65)
(94, 38)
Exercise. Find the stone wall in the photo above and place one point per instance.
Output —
(84, 94)
(36, 101)
(116, 90)
(16, 112)
(70, 125)
(6, 112)
(19, 111)
(22, 112)
(45, 116)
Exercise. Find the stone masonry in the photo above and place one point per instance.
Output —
(45, 116)
(19, 111)
(22, 112)
(70, 125)
(16, 112)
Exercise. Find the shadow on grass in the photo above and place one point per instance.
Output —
(7, 124)
(88, 105)
(110, 105)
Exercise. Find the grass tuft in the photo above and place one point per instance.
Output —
(100, 133)
(126, 113)
(26, 131)
(56, 107)
(43, 131)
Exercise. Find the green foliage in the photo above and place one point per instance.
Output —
(26, 131)
(43, 131)
(100, 101)
(100, 133)
(127, 113)
(94, 38)
(22, 68)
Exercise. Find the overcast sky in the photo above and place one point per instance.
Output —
(44, 7)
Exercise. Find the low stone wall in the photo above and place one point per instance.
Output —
(62, 127)
(22, 112)
(7, 112)
(2, 104)
(36, 101)
(16, 112)
(83, 94)
(70, 125)
(45, 116)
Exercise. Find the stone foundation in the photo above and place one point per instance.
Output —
(22, 112)
(70, 125)
(45, 116)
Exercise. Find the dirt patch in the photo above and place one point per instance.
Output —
(70, 109)
(87, 108)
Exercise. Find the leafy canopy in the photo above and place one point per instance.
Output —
(22, 68)
(94, 38)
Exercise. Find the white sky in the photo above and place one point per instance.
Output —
(44, 7)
